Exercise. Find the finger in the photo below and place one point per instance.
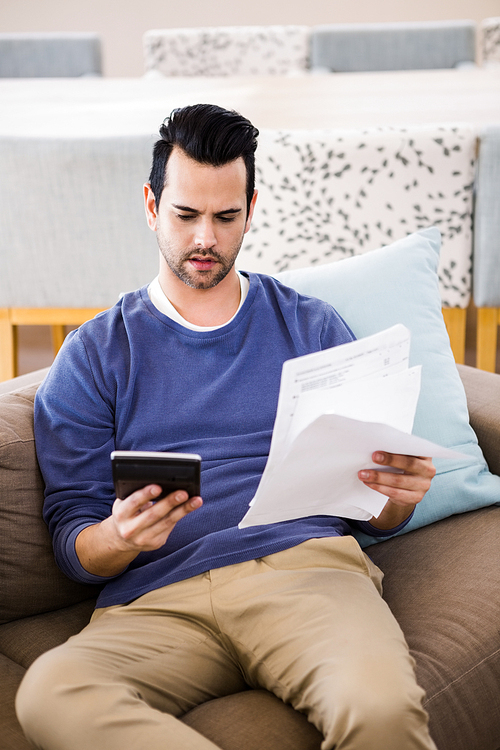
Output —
(392, 481)
(150, 528)
(153, 526)
(418, 465)
(151, 513)
(183, 508)
(140, 504)
(398, 495)
(125, 508)
(403, 489)
(138, 498)
(168, 511)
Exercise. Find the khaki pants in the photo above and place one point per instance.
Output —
(307, 624)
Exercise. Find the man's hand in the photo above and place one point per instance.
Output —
(404, 489)
(136, 524)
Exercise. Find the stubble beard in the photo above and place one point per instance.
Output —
(194, 279)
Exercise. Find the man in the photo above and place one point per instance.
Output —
(192, 607)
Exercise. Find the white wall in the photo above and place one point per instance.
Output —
(121, 23)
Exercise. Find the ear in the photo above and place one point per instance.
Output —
(250, 213)
(150, 207)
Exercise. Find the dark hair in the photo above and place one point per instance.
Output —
(209, 135)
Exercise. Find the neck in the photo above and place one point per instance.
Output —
(202, 307)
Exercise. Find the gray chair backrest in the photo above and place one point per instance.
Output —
(83, 237)
(39, 55)
(393, 46)
(487, 220)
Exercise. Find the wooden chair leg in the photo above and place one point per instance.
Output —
(455, 319)
(486, 346)
(58, 336)
(8, 353)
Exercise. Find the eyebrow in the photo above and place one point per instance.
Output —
(189, 210)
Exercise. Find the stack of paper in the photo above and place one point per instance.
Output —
(336, 408)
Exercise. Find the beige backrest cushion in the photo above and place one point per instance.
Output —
(483, 401)
(30, 580)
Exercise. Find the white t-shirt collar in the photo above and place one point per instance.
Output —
(163, 304)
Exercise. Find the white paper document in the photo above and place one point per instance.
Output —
(336, 407)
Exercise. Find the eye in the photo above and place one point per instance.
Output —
(185, 217)
(226, 219)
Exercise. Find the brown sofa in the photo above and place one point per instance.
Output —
(442, 583)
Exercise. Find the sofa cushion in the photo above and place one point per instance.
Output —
(399, 284)
(21, 381)
(254, 720)
(31, 581)
(483, 402)
(441, 583)
(12, 734)
(25, 640)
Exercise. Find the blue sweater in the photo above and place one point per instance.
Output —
(133, 379)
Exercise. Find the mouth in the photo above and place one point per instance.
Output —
(202, 263)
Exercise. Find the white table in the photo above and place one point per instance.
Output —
(109, 106)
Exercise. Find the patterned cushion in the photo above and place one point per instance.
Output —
(327, 195)
(490, 39)
(398, 284)
(224, 51)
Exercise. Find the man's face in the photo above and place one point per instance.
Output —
(201, 219)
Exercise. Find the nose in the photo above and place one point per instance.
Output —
(205, 234)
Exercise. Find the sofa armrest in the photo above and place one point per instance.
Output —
(7, 386)
(483, 400)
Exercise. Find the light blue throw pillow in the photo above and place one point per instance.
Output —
(399, 284)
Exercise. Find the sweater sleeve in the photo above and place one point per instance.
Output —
(335, 329)
(74, 436)
(367, 528)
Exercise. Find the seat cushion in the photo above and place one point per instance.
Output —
(253, 720)
(11, 675)
(31, 581)
(441, 583)
(25, 639)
